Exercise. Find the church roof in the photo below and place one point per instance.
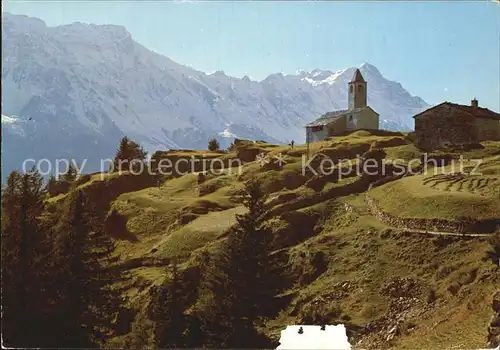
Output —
(357, 77)
(477, 112)
(330, 117)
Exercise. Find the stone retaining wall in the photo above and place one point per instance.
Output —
(437, 225)
(410, 223)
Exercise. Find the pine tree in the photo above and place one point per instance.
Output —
(52, 185)
(168, 314)
(213, 145)
(88, 300)
(239, 279)
(129, 155)
(71, 173)
(22, 247)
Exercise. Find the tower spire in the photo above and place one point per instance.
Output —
(357, 77)
(357, 91)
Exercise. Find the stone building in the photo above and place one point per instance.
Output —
(451, 124)
(358, 116)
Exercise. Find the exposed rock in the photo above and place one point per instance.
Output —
(494, 328)
(401, 287)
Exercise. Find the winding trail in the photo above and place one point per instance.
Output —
(440, 233)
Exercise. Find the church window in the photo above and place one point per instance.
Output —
(360, 88)
(350, 118)
(351, 88)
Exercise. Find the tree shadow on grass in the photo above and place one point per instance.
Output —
(116, 227)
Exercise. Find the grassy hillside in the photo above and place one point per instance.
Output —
(393, 288)
(384, 278)
(449, 195)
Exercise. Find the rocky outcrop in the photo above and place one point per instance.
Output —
(494, 328)
(406, 297)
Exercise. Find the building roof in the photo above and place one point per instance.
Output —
(357, 77)
(478, 112)
(330, 117)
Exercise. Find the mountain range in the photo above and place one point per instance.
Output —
(72, 91)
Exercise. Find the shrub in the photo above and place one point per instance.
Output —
(431, 296)
(82, 179)
(453, 288)
(495, 247)
(56, 187)
(411, 137)
(213, 145)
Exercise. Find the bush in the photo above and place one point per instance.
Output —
(82, 179)
(495, 247)
(453, 288)
(57, 187)
(213, 145)
(431, 296)
(411, 137)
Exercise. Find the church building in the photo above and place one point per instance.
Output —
(358, 116)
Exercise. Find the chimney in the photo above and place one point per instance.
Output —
(474, 103)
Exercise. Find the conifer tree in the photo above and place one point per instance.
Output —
(71, 173)
(128, 155)
(213, 145)
(168, 314)
(22, 241)
(239, 280)
(51, 185)
(88, 302)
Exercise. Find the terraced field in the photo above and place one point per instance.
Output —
(458, 182)
(445, 194)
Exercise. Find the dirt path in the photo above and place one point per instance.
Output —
(438, 233)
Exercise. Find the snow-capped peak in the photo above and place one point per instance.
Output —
(320, 77)
(367, 67)
(218, 73)
(96, 84)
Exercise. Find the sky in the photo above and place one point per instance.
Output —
(438, 50)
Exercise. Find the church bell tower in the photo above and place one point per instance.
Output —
(357, 91)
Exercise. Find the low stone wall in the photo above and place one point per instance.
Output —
(438, 225)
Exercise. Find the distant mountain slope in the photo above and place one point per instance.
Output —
(84, 86)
